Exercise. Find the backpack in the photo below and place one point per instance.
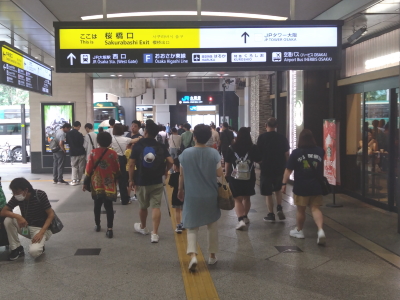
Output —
(152, 162)
(54, 145)
(243, 168)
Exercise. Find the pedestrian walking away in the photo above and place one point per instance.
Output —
(198, 189)
(274, 150)
(103, 169)
(119, 145)
(240, 173)
(151, 160)
(307, 164)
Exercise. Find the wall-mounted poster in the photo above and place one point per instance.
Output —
(331, 147)
(54, 116)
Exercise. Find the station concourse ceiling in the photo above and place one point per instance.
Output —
(32, 20)
(73, 10)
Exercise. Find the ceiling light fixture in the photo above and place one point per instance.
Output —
(119, 75)
(172, 75)
(218, 74)
(112, 75)
(166, 75)
(185, 13)
(226, 74)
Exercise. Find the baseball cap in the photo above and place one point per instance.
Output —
(149, 155)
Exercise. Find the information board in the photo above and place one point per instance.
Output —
(22, 71)
(179, 46)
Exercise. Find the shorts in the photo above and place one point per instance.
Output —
(270, 184)
(149, 195)
(177, 206)
(308, 200)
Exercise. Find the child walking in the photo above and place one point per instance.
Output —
(128, 152)
(176, 203)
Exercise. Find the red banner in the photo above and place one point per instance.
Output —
(332, 150)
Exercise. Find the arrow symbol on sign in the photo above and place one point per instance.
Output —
(71, 58)
(245, 35)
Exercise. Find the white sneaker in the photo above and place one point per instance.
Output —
(193, 264)
(74, 182)
(143, 231)
(321, 237)
(246, 220)
(118, 195)
(297, 234)
(212, 261)
(154, 237)
(240, 225)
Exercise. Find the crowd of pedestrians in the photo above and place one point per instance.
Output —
(116, 163)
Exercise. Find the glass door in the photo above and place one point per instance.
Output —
(376, 145)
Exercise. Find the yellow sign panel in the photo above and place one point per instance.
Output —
(129, 38)
(11, 57)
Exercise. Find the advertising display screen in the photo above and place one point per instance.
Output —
(20, 70)
(332, 155)
(54, 116)
(177, 46)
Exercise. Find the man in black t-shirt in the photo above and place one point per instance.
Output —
(135, 127)
(226, 139)
(34, 221)
(274, 149)
(77, 153)
(146, 157)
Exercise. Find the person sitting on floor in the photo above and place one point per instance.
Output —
(34, 222)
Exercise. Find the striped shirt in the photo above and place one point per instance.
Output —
(33, 209)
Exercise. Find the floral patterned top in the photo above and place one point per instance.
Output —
(106, 173)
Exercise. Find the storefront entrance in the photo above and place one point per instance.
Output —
(371, 164)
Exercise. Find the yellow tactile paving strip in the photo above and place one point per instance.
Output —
(198, 285)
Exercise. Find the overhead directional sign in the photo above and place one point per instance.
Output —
(22, 71)
(176, 46)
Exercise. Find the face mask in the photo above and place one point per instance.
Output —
(19, 197)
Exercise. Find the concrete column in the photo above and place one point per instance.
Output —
(261, 106)
(67, 88)
(129, 105)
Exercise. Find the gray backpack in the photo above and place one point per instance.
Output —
(54, 145)
(243, 168)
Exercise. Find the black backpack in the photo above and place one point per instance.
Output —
(147, 169)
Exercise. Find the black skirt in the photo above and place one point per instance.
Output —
(242, 187)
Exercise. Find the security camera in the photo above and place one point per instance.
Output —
(357, 34)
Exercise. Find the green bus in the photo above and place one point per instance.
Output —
(106, 110)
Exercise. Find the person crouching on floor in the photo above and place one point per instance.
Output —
(34, 222)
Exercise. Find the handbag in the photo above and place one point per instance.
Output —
(56, 225)
(87, 182)
(322, 180)
(225, 198)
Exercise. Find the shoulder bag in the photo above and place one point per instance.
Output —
(225, 198)
(56, 225)
(87, 182)
(91, 141)
(323, 181)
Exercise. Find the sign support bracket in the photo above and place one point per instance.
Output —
(104, 9)
(199, 10)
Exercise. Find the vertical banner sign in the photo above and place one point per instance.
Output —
(332, 150)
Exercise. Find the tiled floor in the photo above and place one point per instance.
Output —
(250, 265)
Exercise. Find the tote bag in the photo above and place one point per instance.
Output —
(225, 198)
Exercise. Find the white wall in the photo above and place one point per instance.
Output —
(161, 114)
